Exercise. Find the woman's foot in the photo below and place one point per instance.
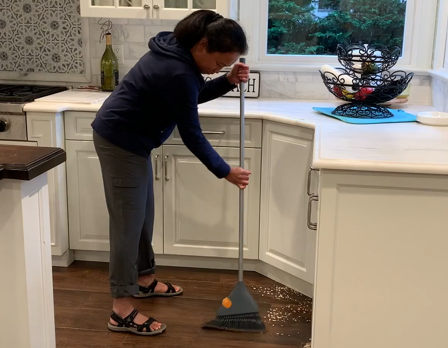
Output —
(149, 286)
(125, 318)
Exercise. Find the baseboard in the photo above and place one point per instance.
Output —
(213, 263)
(65, 260)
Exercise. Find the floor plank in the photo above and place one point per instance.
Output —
(83, 305)
(70, 298)
(76, 338)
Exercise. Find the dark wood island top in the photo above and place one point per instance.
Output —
(28, 162)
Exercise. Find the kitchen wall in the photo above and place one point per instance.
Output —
(46, 36)
(41, 36)
(439, 93)
(134, 36)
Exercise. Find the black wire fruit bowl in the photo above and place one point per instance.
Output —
(364, 93)
(377, 89)
(367, 59)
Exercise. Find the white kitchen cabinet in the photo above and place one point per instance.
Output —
(201, 211)
(47, 129)
(157, 238)
(88, 216)
(221, 131)
(381, 261)
(155, 9)
(286, 241)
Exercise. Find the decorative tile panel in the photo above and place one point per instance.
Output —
(41, 36)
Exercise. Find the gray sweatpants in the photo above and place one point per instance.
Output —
(128, 187)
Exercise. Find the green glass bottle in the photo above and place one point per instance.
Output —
(109, 67)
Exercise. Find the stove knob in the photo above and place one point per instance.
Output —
(4, 125)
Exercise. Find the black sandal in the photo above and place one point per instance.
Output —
(128, 325)
(150, 290)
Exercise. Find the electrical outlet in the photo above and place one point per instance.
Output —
(118, 50)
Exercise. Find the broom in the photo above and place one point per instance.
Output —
(239, 311)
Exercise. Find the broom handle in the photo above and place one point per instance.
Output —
(241, 205)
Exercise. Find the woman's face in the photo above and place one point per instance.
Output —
(212, 63)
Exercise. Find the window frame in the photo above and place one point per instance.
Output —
(420, 27)
(440, 63)
(441, 38)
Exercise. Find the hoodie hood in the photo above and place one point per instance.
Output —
(164, 43)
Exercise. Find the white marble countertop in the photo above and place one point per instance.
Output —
(394, 147)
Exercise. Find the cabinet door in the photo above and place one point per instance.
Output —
(201, 211)
(178, 9)
(48, 130)
(285, 240)
(88, 216)
(155, 9)
(116, 8)
(157, 239)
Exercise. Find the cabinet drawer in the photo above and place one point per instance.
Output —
(225, 132)
(78, 125)
(219, 131)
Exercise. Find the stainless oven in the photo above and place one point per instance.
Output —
(13, 129)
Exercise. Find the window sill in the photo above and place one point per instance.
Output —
(314, 68)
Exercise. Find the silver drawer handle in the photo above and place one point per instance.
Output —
(308, 185)
(213, 132)
(146, 6)
(156, 167)
(166, 168)
(311, 225)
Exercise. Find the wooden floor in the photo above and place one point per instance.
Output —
(83, 305)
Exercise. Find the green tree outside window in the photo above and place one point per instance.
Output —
(316, 27)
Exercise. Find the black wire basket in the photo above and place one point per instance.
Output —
(367, 89)
(367, 59)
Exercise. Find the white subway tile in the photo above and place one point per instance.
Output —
(137, 50)
(420, 95)
(129, 33)
(151, 31)
(144, 22)
(120, 21)
(268, 75)
(295, 77)
(311, 91)
(439, 94)
(277, 89)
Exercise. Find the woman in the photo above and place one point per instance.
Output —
(161, 91)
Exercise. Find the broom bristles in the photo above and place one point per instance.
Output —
(250, 322)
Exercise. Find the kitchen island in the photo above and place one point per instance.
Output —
(353, 215)
(26, 294)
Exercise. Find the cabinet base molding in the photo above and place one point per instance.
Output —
(212, 263)
(64, 260)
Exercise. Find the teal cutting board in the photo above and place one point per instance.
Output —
(399, 116)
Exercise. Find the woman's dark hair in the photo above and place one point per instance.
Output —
(223, 34)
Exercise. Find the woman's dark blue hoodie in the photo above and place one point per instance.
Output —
(161, 91)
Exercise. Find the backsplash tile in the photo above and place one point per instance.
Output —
(41, 36)
(439, 89)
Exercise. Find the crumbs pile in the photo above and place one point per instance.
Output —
(283, 293)
(289, 313)
(293, 308)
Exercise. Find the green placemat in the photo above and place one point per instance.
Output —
(399, 116)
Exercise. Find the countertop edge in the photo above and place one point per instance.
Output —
(31, 170)
(317, 161)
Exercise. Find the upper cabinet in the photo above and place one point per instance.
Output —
(155, 9)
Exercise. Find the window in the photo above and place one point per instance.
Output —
(300, 33)
(440, 64)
